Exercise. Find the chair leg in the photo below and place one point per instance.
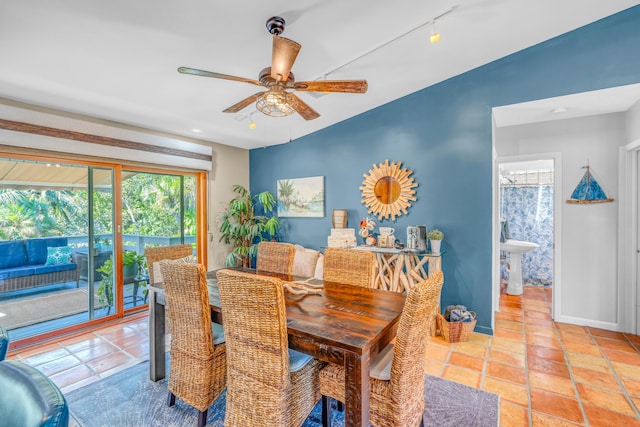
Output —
(326, 411)
(202, 418)
(171, 399)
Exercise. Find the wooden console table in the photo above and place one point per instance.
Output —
(400, 270)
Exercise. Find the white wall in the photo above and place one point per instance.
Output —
(230, 167)
(589, 293)
(633, 122)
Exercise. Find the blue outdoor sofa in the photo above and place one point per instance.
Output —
(23, 264)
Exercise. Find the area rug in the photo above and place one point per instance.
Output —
(32, 310)
(129, 399)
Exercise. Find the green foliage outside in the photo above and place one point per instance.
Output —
(243, 228)
(105, 290)
(151, 207)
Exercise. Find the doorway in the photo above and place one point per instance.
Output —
(527, 202)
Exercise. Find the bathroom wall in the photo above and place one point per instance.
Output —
(528, 210)
(588, 284)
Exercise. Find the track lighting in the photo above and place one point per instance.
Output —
(435, 36)
(252, 124)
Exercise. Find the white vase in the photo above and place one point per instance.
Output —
(435, 246)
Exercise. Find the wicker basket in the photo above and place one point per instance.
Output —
(456, 331)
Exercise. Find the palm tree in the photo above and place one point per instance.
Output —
(285, 193)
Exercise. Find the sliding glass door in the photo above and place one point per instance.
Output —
(72, 240)
(158, 209)
(53, 219)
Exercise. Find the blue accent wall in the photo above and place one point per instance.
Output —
(443, 133)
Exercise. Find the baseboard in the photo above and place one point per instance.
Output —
(483, 330)
(588, 322)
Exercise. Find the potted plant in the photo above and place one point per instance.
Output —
(435, 238)
(243, 228)
(132, 264)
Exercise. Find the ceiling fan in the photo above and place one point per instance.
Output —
(278, 100)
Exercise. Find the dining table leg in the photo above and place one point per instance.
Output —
(157, 362)
(356, 390)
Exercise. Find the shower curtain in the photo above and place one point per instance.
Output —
(529, 214)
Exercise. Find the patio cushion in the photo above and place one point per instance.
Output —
(12, 254)
(15, 272)
(43, 269)
(297, 360)
(381, 366)
(58, 255)
(218, 333)
(37, 248)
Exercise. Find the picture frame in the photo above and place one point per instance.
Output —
(301, 197)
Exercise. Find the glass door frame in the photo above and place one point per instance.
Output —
(119, 312)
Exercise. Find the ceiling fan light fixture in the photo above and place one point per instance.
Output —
(276, 102)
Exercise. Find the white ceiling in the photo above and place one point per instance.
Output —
(116, 60)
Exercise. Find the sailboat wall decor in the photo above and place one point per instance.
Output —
(588, 191)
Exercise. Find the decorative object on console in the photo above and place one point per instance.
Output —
(339, 218)
(367, 225)
(342, 238)
(241, 228)
(301, 197)
(588, 190)
(386, 238)
(388, 190)
(435, 238)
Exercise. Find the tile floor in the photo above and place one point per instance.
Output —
(547, 373)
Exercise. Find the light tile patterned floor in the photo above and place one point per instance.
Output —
(547, 373)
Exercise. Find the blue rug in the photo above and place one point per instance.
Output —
(129, 398)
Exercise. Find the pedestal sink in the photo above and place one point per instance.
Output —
(516, 248)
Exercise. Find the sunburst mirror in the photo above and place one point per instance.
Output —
(388, 190)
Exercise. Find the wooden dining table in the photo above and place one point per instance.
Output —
(343, 324)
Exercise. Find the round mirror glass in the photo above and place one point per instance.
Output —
(387, 190)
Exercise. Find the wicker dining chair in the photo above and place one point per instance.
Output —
(349, 266)
(396, 374)
(160, 253)
(275, 257)
(198, 368)
(267, 384)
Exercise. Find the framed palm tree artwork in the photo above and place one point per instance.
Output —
(301, 197)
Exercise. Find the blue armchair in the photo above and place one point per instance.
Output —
(29, 398)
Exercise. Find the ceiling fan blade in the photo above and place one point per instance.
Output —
(346, 86)
(303, 108)
(243, 104)
(194, 72)
(283, 56)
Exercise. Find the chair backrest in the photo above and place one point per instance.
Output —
(29, 398)
(160, 253)
(4, 343)
(353, 267)
(407, 367)
(275, 257)
(188, 307)
(255, 329)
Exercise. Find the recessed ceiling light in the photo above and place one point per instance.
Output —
(196, 130)
(559, 110)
